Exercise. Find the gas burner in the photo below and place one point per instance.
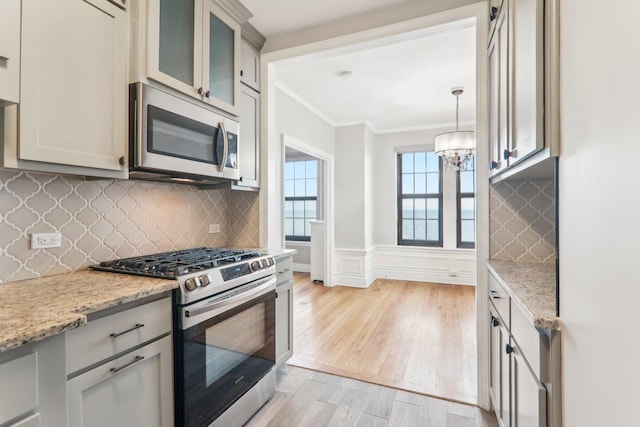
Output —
(171, 265)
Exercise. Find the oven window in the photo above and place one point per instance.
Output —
(220, 359)
(233, 340)
(179, 136)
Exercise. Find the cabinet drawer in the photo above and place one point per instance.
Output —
(20, 393)
(113, 334)
(500, 300)
(533, 344)
(284, 270)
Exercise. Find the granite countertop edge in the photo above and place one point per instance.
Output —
(35, 309)
(535, 297)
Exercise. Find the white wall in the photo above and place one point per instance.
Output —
(350, 194)
(291, 118)
(368, 188)
(600, 212)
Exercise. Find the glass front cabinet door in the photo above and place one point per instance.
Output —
(194, 47)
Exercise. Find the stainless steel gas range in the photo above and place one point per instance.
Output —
(224, 330)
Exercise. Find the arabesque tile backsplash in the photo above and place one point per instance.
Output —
(522, 221)
(107, 219)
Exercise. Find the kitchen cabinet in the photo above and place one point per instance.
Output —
(523, 103)
(524, 365)
(9, 51)
(284, 309)
(494, 11)
(249, 139)
(250, 65)
(498, 83)
(36, 375)
(72, 114)
(194, 47)
(120, 368)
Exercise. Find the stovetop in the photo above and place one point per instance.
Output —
(171, 265)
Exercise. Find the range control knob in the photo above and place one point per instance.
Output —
(191, 284)
(269, 262)
(204, 280)
(256, 265)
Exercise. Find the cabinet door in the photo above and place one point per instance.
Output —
(498, 95)
(133, 390)
(284, 322)
(529, 396)
(527, 82)
(174, 44)
(73, 106)
(505, 378)
(495, 361)
(250, 63)
(249, 138)
(9, 51)
(221, 58)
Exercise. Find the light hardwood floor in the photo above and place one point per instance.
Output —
(413, 336)
(308, 398)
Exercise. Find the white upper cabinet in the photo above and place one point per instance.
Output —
(498, 83)
(526, 34)
(9, 51)
(73, 87)
(250, 66)
(193, 46)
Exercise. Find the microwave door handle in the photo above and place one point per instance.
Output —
(225, 147)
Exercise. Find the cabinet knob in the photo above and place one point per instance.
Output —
(241, 179)
(207, 93)
(506, 154)
(122, 161)
(241, 73)
(199, 91)
(493, 14)
(508, 349)
(492, 165)
(494, 322)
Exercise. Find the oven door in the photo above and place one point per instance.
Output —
(174, 135)
(223, 348)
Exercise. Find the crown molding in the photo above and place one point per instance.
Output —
(253, 36)
(235, 9)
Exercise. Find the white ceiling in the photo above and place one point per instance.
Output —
(396, 85)
(276, 17)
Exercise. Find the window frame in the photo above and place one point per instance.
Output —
(400, 197)
(459, 196)
(300, 238)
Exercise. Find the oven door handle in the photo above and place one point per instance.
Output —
(205, 310)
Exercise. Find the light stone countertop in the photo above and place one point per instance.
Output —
(32, 310)
(532, 287)
(279, 253)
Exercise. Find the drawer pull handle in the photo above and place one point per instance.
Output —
(138, 326)
(135, 360)
(284, 271)
(494, 294)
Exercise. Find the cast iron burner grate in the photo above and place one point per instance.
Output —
(170, 265)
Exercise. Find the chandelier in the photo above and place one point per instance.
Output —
(456, 148)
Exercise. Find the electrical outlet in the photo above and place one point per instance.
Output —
(214, 228)
(46, 240)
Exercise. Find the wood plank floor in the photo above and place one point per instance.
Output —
(308, 398)
(413, 336)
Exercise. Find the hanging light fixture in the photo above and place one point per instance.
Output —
(457, 147)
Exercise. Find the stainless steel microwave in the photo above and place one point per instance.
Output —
(172, 139)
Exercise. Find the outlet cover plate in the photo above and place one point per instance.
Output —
(214, 228)
(46, 240)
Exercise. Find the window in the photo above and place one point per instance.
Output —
(466, 208)
(301, 192)
(419, 199)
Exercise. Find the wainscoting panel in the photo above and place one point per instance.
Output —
(360, 268)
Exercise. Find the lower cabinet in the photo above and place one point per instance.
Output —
(120, 368)
(284, 310)
(33, 376)
(518, 396)
(135, 390)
